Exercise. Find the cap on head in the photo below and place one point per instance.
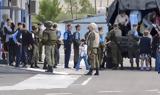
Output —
(55, 25)
(48, 24)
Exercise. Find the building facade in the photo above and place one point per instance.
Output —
(17, 10)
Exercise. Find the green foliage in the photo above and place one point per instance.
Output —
(86, 7)
(76, 7)
(49, 10)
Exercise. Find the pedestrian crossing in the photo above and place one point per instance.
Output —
(43, 81)
(61, 78)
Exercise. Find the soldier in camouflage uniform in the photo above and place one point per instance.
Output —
(35, 53)
(93, 43)
(49, 40)
(115, 48)
(133, 50)
(40, 32)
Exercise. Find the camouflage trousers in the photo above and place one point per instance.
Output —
(49, 55)
(93, 58)
(35, 55)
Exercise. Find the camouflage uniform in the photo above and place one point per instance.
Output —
(49, 39)
(133, 50)
(115, 49)
(93, 43)
(35, 57)
(40, 47)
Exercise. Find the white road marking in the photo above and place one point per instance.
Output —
(109, 91)
(153, 90)
(41, 70)
(42, 81)
(59, 94)
(86, 81)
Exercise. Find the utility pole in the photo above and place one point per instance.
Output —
(29, 12)
(95, 1)
(71, 8)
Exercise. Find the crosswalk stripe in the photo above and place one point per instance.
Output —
(41, 70)
(59, 94)
(42, 81)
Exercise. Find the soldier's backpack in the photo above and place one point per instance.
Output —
(45, 37)
(49, 37)
(52, 37)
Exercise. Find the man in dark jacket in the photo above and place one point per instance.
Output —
(76, 43)
(17, 37)
(26, 43)
(67, 45)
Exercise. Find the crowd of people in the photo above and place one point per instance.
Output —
(142, 35)
(97, 49)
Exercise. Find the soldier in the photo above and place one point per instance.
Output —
(67, 44)
(76, 43)
(58, 45)
(35, 48)
(115, 48)
(40, 32)
(49, 40)
(133, 50)
(93, 43)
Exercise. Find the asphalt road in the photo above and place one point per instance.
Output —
(27, 81)
(15, 81)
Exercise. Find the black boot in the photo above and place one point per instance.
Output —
(44, 67)
(90, 72)
(36, 66)
(32, 65)
(97, 72)
(122, 66)
(50, 69)
(45, 64)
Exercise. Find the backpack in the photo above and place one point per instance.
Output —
(52, 35)
(45, 37)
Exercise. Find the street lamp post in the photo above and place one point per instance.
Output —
(29, 12)
(95, 6)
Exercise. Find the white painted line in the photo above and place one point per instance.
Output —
(86, 81)
(153, 90)
(42, 81)
(41, 70)
(59, 94)
(109, 91)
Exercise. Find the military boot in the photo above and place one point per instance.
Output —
(97, 72)
(36, 66)
(50, 69)
(45, 65)
(90, 72)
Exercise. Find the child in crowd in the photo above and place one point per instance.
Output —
(145, 51)
(82, 55)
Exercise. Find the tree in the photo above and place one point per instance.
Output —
(72, 4)
(49, 10)
(86, 7)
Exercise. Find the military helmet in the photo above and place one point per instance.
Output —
(48, 24)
